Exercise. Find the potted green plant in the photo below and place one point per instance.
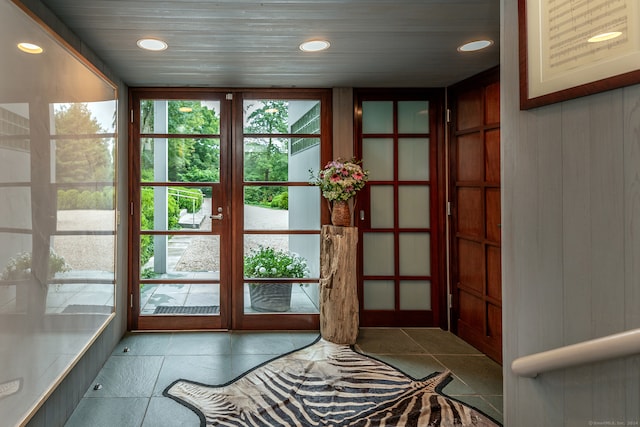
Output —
(268, 262)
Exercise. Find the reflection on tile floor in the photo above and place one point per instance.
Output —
(133, 381)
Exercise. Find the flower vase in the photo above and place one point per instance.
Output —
(340, 213)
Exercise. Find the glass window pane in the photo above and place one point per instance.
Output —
(183, 299)
(272, 159)
(41, 145)
(10, 301)
(86, 197)
(180, 159)
(18, 155)
(86, 256)
(281, 297)
(415, 295)
(279, 251)
(413, 116)
(89, 212)
(304, 208)
(281, 208)
(273, 262)
(301, 144)
(175, 208)
(80, 298)
(378, 254)
(84, 118)
(266, 207)
(378, 158)
(84, 160)
(14, 120)
(180, 257)
(377, 117)
(15, 143)
(379, 295)
(308, 247)
(16, 201)
(272, 116)
(415, 254)
(304, 116)
(413, 206)
(195, 117)
(266, 159)
(90, 257)
(304, 157)
(13, 247)
(381, 206)
(413, 159)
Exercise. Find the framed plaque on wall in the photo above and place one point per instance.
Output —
(570, 48)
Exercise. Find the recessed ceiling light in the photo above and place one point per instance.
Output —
(314, 46)
(152, 44)
(30, 48)
(604, 37)
(475, 45)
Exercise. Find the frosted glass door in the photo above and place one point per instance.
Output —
(395, 219)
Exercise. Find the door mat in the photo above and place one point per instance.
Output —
(189, 309)
(88, 309)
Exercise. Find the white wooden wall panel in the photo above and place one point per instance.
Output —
(607, 222)
(577, 264)
(549, 257)
(511, 135)
(571, 246)
(631, 111)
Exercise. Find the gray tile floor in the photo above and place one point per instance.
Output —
(132, 382)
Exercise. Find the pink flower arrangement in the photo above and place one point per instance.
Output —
(340, 180)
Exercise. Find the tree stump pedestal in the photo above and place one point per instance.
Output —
(338, 284)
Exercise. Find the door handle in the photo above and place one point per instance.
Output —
(219, 216)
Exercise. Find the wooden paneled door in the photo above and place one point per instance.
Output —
(475, 259)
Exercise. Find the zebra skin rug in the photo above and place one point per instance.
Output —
(326, 384)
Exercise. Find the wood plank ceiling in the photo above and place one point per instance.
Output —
(239, 43)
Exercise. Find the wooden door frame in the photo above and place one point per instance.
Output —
(133, 314)
(235, 317)
(436, 97)
(268, 321)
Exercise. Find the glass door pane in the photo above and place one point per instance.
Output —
(182, 214)
(220, 178)
(281, 212)
(395, 222)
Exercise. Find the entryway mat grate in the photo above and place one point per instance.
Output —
(189, 309)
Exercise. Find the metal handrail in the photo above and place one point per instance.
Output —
(610, 347)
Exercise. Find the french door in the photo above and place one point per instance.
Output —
(218, 180)
(400, 213)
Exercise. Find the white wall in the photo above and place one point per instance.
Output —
(571, 246)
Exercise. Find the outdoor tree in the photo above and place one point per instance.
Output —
(81, 154)
(189, 159)
(266, 156)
